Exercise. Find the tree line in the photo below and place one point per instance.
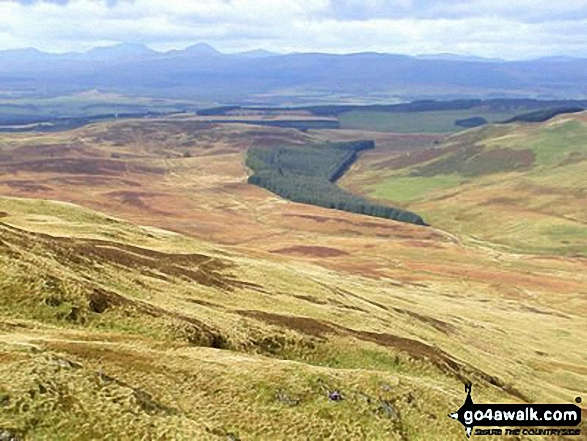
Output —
(308, 175)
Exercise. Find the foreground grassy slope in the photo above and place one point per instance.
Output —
(520, 186)
(108, 329)
(111, 330)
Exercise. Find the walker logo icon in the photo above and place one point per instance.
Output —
(472, 415)
(465, 409)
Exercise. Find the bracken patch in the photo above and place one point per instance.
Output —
(199, 268)
(30, 186)
(312, 251)
(82, 166)
(414, 348)
(409, 159)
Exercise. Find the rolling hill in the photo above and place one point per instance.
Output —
(146, 291)
(519, 186)
(126, 331)
(109, 329)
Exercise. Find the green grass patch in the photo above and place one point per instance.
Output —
(408, 189)
(556, 142)
(551, 143)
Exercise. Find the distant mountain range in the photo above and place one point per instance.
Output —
(201, 72)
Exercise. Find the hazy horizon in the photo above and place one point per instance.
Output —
(490, 29)
(456, 55)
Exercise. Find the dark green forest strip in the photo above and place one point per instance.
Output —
(544, 115)
(468, 123)
(497, 104)
(308, 175)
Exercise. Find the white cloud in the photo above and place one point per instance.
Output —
(505, 28)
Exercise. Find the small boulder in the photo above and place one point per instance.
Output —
(388, 410)
(286, 399)
(7, 435)
(335, 396)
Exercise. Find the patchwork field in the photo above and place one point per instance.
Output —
(164, 297)
(87, 103)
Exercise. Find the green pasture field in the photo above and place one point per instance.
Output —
(417, 122)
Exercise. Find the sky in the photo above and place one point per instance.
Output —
(510, 29)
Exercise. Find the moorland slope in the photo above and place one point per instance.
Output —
(239, 313)
(127, 332)
(519, 186)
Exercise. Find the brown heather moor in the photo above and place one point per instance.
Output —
(150, 294)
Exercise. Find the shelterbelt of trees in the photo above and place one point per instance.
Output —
(308, 175)
(498, 104)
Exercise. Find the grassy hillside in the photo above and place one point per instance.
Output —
(108, 329)
(520, 186)
(234, 312)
